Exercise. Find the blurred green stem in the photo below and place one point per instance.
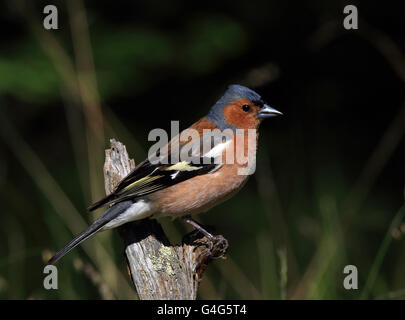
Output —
(63, 206)
(382, 251)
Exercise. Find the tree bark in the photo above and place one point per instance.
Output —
(158, 269)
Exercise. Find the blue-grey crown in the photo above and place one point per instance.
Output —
(234, 92)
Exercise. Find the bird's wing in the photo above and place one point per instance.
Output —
(147, 177)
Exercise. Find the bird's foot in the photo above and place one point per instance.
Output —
(216, 244)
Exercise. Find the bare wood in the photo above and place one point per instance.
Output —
(158, 269)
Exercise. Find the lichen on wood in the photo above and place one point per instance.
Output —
(158, 269)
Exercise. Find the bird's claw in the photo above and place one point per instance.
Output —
(217, 246)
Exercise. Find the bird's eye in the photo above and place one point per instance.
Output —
(246, 108)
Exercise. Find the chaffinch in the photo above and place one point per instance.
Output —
(186, 187)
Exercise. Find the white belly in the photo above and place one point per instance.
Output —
(137, 211)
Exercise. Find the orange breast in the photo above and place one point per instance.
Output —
(200, 193)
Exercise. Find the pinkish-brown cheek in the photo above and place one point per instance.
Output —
(240, 120)
(234, 117)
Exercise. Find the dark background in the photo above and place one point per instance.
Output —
(329, 185)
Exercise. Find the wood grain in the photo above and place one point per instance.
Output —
(158, 269)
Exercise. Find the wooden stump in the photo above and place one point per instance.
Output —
(158, 269)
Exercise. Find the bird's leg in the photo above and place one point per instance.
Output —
(220, 243)
(197, 226)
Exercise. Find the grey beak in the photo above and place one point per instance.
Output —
(267, 112)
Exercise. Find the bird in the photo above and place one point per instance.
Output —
(186, 187)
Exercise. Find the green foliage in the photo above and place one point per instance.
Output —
(289, 230)
(28, 74)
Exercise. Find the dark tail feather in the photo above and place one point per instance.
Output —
(103, 202)
(109, 215)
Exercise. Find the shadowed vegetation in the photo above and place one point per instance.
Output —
(329, 185)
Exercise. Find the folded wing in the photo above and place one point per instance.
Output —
(147, 178)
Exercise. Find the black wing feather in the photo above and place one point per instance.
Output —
(147, 178)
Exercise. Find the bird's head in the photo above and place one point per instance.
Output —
(240, 108)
